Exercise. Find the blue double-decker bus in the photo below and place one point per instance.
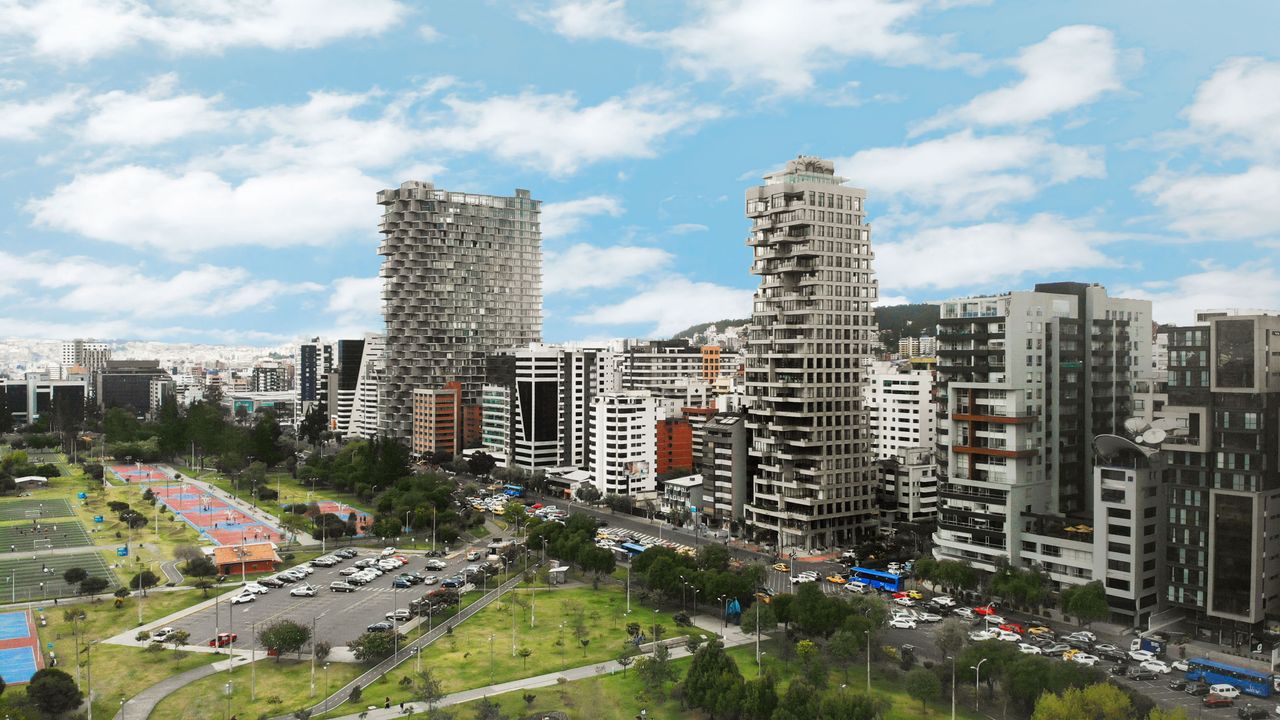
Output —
(1250, 682)
(877, 579)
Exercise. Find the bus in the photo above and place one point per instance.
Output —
(633, 549)
(515, 491)
(877, 579)
(1212, 672)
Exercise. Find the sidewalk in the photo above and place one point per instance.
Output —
(731, 636)
(139, 706)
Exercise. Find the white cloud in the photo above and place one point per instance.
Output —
(1073, 66)
(565, 218)
(355, 301)
(81, 30)
(889, 300)
(1240, 105)
(26, 120)
(429, 33)
(1232, 206)
(969, 176)
(585, 266)
(179, 214)
(672, 305)
(1251, 285)
(556, 134)
(764, 42)
(152, 117)
(686, 228)
(950, 257)
(11, 84)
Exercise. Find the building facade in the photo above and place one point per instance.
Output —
(674, 451)
(900, 408)
(462, 278)
(126, 384)
(812, 328)
(367, 409)
(437, 415)
(623, 455)
(727, 467)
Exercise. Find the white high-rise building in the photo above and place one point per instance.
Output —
(366, 404)
(900, 407)
(624, 447)
(812, 329)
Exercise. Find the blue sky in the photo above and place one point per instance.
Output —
(205, 172)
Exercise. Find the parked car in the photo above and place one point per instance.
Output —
(1178, 685)
(223, 639)
(1028, 649)
(945, 601)
(347, 553)
(1224, 690)
(380, 626)
(1011, 627)
(1084, 635)
(904, 602)
(271, 582)
(401, 583)
(1252, 712)
(1156, 666)
(399, 615)
(285, 578)
(388, 552)
(1007, 636)
(349, 571)
(980, 635)
(928, 617)
(453, 582)
(256, 588)
(1056, 649)
(964, 612)
(303, 591)
(325, 561)
(988, 609)
(340, 586)
(902, 624)
(994, 620)
(1084, 658)
(1213, 701)
(243, 598)
(1141, 655)
(781, 567)
(437, 565)
(1180, 665)
(1106, 647)
(1196, 688)
(366, 562)
(1144, 675)
(1040, 631)
(162, 634)
(473, 555)
(836, 579)
(431, 580)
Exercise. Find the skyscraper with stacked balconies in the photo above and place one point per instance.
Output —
(811, 330)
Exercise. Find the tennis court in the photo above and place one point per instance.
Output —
(29, 509)
(19, 648)
(140, 473)
(48, 535)
(41, 577)
(214, 518)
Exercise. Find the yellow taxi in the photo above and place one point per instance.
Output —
(1039, 630)
(836, 579)
(915, 594)
(781, 567)
(1070, 654)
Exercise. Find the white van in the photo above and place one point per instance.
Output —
(1225, 690)
(857, 586)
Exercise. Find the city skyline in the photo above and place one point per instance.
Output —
(162, 191)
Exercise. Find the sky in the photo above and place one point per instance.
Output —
(206, 171)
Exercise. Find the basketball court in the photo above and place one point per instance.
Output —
(133, 474)
(214, 518)
(20, 655)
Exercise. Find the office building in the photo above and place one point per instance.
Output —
(900, 408)
(623, 455)
(1026, 380)
(436, 420)
(34, 397)
(727, 468)
(126, 384)
(340, 386)
(366, 402)
(315, 362)
(811, 330)
(462, 278)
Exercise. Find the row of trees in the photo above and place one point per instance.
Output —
(574, 542)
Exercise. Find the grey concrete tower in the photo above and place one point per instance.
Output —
(462, 278)
(811, 329)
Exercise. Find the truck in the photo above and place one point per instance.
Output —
(1154, 645)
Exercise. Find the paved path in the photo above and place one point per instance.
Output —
(171, 573)
(258, 514)
(732, 637)
(139, 706)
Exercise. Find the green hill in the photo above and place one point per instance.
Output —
(894, 321)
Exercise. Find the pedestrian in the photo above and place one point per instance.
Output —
(387, 704)
(401, 706)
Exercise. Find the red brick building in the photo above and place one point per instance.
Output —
(675, 446)
(253, 558)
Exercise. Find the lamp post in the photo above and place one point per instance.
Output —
(867, 634)
(953, 687)
(683, 584)
(977, 673)
(326, 680)
(655, 631)
(628, 588)
(724, 612)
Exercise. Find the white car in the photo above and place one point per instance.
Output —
(348, 571)
(858, 587)
(303, 591)
(437, 565)
(905, 602)
(1106, 648)
(928, 617)
(964, 612)
(1156, 666)
(304, 569)
(1141, 655)
(903, 624)
(1182, 666)
(804, 577)
(1083, 635)
(388, 552)
(1007, 636)
(945, 601)
(980, 635)
(162, 634)
(431, 580)
(1029, 649)
(1085, 659)
(994, 620)
(400, 615)
(243, 598)
(256, 589)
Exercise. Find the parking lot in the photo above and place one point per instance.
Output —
(339, 617)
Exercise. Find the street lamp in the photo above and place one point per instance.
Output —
(977, 672)
(724, 615)
(867, 634)
(683, 584)
(953, 687)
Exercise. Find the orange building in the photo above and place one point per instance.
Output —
(710, 363)
(436, 416)
(675, 446)
(250, 558)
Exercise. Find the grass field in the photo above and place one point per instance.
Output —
(280, 688)
(29, 572)
(462, 659)
(35, 507)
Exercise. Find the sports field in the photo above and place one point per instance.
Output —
(34, 509)
(49, 535)
(40, 577)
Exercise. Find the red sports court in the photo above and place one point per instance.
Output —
(215, 518)
(20, 655)
(139, 473)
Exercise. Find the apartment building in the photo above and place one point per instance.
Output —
(367, 410)
(462, 278)
(315, 362)
(340, 384)
(812, 329)
(908, 487)
(623, 451)
(900, 408)
(436, 418)
(674, 445)
(1026, 381)
(727, 468)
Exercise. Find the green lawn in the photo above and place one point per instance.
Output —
(462, 660)
(279, 688)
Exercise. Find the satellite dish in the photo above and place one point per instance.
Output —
(1113, 446)
(1135, 426)
(1166, 424)
(1154, 436)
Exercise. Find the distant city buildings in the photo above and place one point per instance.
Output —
(462, 278)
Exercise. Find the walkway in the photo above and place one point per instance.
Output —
(171, 573)
(732, 637)
(139, 706)
(248, 509)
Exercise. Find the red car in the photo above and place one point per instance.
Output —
(1012, 627)
(223, 640)
(900, 595)
(1213, 701)
(986, 609)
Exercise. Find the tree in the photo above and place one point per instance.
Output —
(204, 584)
(1170, 714)
(93, 585)
(713, 556)
(1087, 603)
(427, 689)
(480, 463)
(143, 580)
(374, 646)
(524, 657)
(285, 636)
(187, 553)
(845, 648)
(201, 567)
(759, 617)
(837, 705)
(321, 650)
(74, 576)
(655, 671)
(595, 560)
(178, 639)
(489, 710)
(313, 425)
(626, 656)
(923, 684)
(759, 698)
(1098, 702)
(54, 692)
(713, 682)
(952, 635)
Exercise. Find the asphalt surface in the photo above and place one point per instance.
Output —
(339, 617)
